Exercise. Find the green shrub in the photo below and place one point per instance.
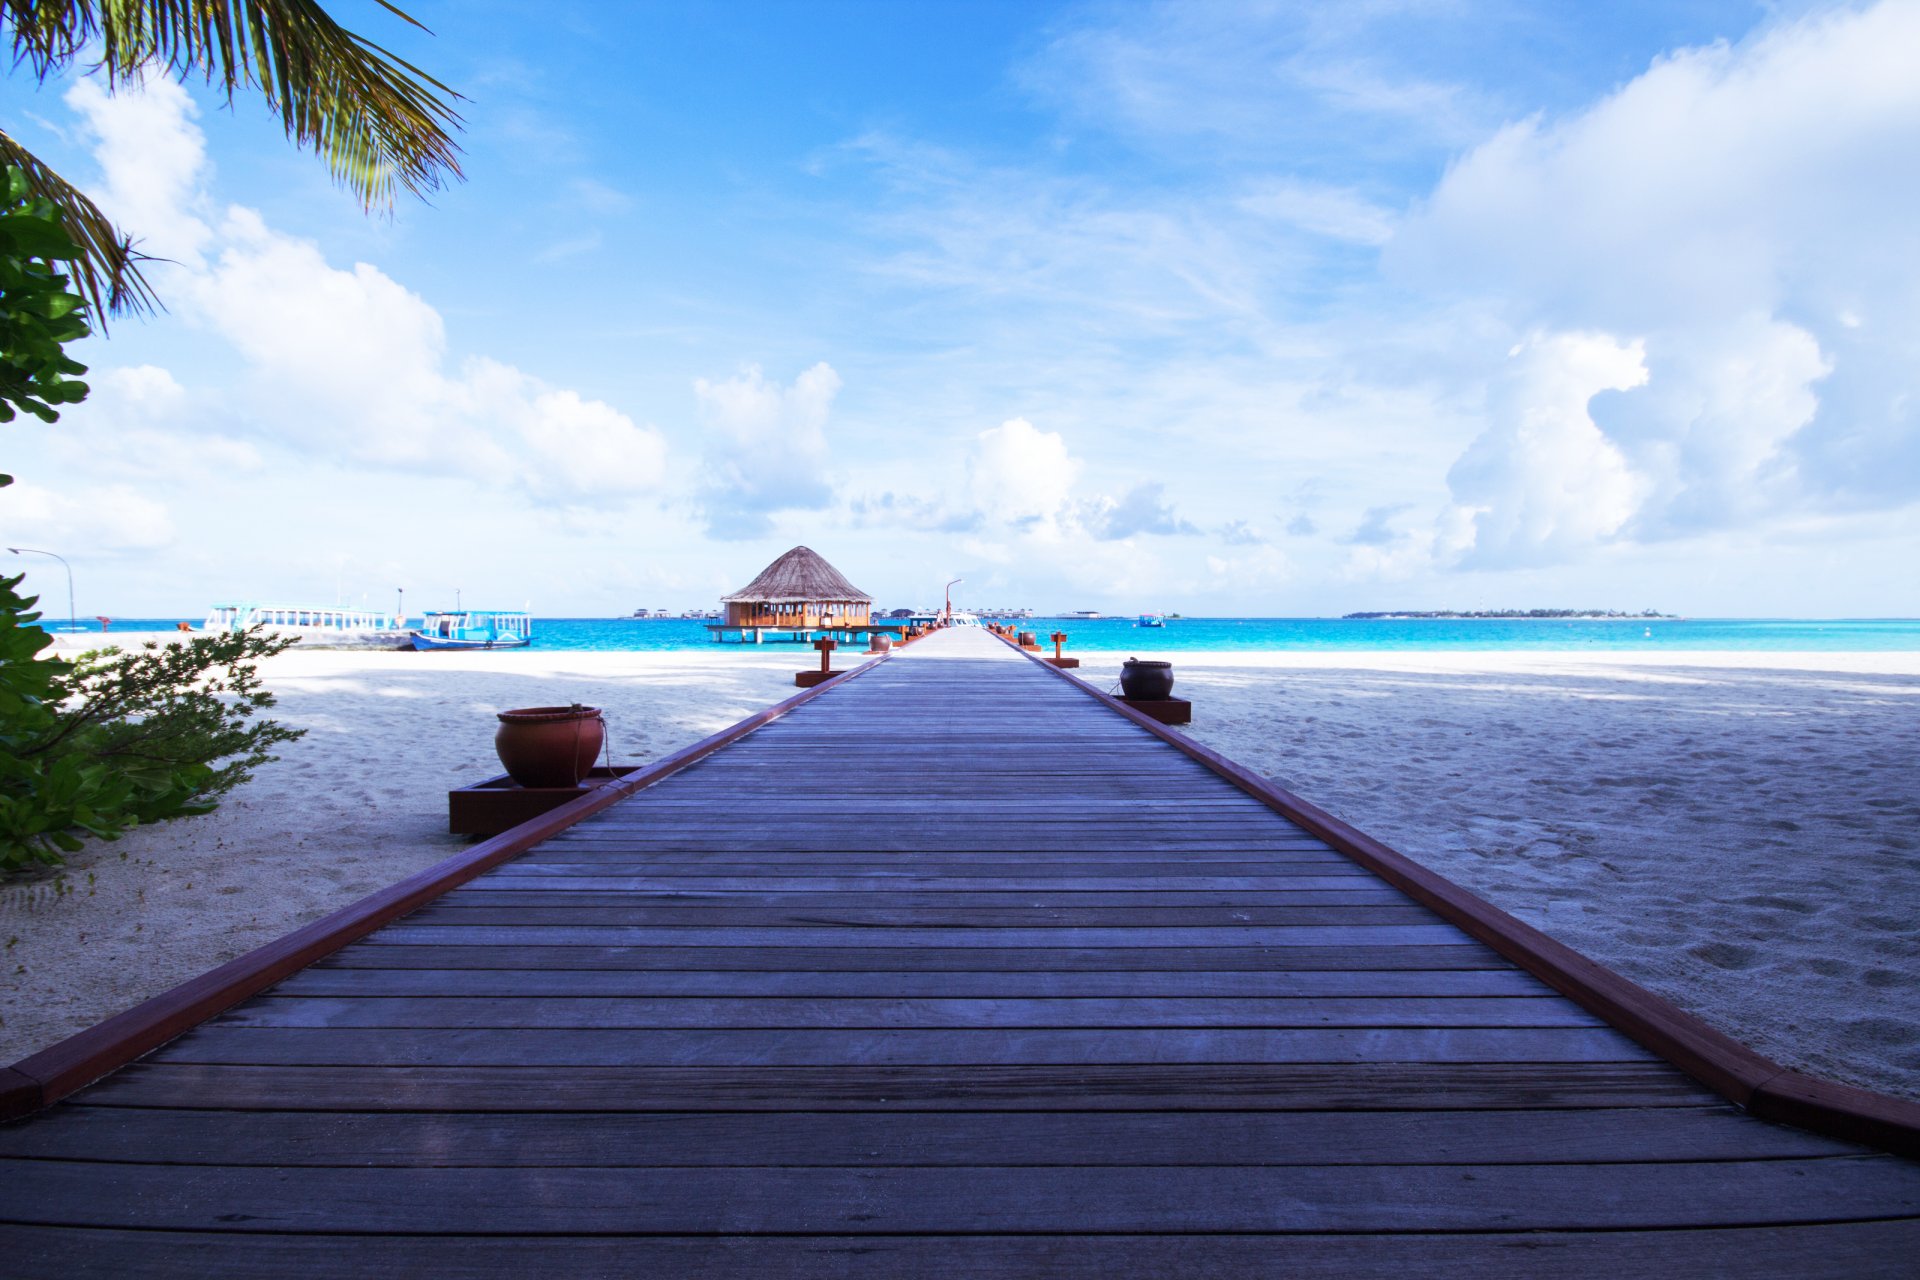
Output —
(114, 739)
(111, 739)
(39, 313)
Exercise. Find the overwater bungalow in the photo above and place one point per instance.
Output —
(799, 597)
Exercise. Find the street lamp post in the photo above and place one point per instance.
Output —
(73, 620)
(948, 618)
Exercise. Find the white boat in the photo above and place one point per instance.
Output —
(474, 629)
(1151, 620)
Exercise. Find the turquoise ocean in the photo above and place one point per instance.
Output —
(1112, 635)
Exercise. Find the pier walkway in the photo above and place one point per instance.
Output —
(951, 971)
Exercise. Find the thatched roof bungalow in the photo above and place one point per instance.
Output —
(799, 590)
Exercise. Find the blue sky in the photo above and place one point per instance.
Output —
(1275, 309)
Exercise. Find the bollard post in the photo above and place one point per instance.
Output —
(808, 679)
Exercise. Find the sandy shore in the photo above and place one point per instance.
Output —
(1740, 832)
(357, 804)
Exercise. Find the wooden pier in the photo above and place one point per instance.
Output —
(952, 969)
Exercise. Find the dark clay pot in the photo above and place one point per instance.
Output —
(550, 746)
(1147, 679)
(879, 644)
(1026, 637)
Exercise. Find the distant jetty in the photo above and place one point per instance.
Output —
(1511, 613)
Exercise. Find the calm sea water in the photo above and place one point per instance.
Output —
(1120, 634)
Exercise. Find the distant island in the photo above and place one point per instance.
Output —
(1513, 613)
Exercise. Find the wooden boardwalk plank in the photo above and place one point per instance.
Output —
(1010, 1090)
(1308, 1198)
(919, 1138)
(1854, 1251)
(950, 969)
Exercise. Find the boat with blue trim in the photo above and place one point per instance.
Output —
(474, 629)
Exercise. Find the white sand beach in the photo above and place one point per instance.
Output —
(1739, 832)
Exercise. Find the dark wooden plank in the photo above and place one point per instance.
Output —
(414, 1046)
(897, 985)
(1263, 959)
(1149, 915)
(547, 895)
(1088, 1199)
(1411, 935)
(881, 881)
(1856, 1251)
(907, 1139)
(853, 1088)
(624, 1013)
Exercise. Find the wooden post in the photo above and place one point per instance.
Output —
(1059, 638)
(808, 679)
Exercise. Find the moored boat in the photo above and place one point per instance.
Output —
(474, 629)
(1150, 620)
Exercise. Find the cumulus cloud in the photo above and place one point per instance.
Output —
(909, 512)
(766, 448)
(344, 363)
(1741, 215)
(1238, 533)
(141, 423)
(1142, 509)
(1022, 476)
(97, 520)
(1376, 526)
(153, 159)
(1023, 479)
(1543, 482)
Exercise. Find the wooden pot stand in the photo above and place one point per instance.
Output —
(1165, 710)
(501, 804)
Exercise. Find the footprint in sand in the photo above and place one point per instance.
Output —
(1724, 955)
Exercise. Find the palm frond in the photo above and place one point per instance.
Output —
(379, 123)
(108, 271)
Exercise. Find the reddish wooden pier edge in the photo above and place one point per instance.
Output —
(1739, 1074)
(42, 1079)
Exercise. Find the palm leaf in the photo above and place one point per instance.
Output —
(379, 123)
(107, 271)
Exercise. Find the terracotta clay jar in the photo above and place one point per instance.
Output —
(549, 746)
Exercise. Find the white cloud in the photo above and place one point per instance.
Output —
(141, 423)
(97, 520)
(766, 448)
(1339, 213)
(1142, 509)
(154, 159)
(1265, 79)
(1745, 211)
(1543, 482)
(343, 364)
(1021, 475)
(1260, 567)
